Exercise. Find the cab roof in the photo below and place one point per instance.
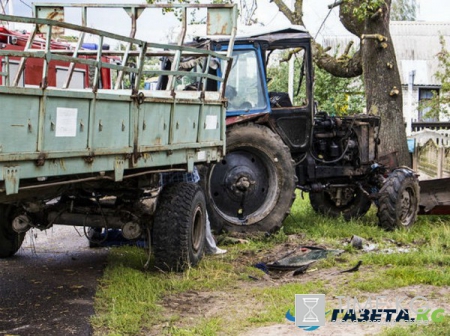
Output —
(288, 37)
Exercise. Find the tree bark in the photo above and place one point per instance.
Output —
(381, 77)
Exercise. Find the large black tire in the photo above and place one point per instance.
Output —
(179, 227)
(399, 200)
(253, 187)
(354, 205)
(10, 241)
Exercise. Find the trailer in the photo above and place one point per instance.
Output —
(88, 156)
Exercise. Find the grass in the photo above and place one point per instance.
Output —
(130, 301)
(128, 297)
(435, 329)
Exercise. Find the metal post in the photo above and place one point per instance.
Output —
(409, 113)
(291, 68)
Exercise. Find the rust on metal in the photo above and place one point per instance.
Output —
(89, 159)
(435, 197)
(41, 160)
(242, 118)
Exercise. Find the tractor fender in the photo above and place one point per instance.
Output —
(257, 118)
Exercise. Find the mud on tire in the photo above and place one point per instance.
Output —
(179, 227)
(10, 241)
(399, 200)
(356, 205)
(252, 188)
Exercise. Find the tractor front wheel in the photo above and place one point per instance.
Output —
(399, 200)
(349, 202)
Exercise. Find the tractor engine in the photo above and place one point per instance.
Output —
(345, 141)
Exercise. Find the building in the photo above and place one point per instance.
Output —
(416, 46)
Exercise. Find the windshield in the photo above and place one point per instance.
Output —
(244, 90)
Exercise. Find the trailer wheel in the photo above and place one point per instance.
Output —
(179, 227)
(354, 203)
(252, 188)
(399, 200)
(10, 241)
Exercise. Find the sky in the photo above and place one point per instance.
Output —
(152, 26)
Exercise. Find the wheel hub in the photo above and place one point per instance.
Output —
(240, 181)
(197, 228)
(21, 223)
(239, 185)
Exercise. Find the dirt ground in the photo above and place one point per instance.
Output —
(47, 288)
(435, 296)
(191, 306)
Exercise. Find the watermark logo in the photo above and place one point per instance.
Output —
(310, 311)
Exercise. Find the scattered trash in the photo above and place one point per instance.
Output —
(357, 242)
(370, 247)
(224, 240)
(398, 250)
(112, 237)
(301, 270)
(362, 244)
(353, 269)
(262, 267)
(301, 257)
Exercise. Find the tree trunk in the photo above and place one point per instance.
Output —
(383, 85)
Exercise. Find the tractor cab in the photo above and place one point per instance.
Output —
(258, 72)
(249, 84)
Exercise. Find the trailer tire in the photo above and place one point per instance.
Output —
(357, 205)
(252, 189)
(10, 241)
(179, 227)
(398, 203)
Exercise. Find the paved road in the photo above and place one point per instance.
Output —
(48, 287)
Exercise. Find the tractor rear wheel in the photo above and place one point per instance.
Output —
(252, 188)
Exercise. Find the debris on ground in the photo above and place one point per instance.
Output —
(366, 246)
(298, 260)
(304, 255)
(226, 240)
(353, 269)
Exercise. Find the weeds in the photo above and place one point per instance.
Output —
(130, 301)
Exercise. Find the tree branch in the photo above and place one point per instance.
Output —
(347, 49)
(344, 66)
(377, 14)
(294, 17)
(335, 4)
